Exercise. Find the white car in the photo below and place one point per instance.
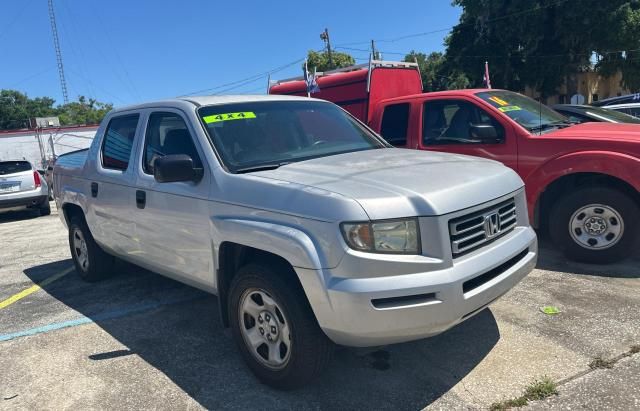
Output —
(22, 186)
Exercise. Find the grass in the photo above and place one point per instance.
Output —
(537, 390)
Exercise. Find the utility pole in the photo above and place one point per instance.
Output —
(374, 53)
(325, 37)
(56, 45)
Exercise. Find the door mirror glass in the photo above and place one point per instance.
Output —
(487, 133)
(175, 167)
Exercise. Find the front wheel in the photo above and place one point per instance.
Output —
(275, 329)
(595, 225)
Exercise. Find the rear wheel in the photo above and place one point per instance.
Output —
(91, 262)
(275, 329)
(595, 225)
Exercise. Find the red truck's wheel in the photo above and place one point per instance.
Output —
(275, 329)
(595, 225)
(91, 262)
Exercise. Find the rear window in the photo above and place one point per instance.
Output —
(118, 142)
(11, 167)
(395, 121)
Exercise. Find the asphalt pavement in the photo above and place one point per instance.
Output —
(138, 340)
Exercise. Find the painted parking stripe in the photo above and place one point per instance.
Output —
(36, 287)
(108, 315)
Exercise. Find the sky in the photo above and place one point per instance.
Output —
(128, 51)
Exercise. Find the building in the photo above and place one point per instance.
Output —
(41, 145)
(590, 85)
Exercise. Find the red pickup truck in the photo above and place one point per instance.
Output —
(582, 180)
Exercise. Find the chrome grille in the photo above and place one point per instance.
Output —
(481, 227)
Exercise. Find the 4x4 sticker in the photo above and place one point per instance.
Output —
(498, 100)
(509, 108)
(243, 115)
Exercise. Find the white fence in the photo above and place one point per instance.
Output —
(24, 145)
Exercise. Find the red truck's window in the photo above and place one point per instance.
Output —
(395, 122)
(451, 122)
(118, 141)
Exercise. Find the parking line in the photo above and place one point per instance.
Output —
(36, 287)
(108, 315)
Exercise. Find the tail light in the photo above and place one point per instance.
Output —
(36, 179)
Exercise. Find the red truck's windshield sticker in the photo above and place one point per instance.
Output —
(509, 108)
(243, 115)
(498, 100)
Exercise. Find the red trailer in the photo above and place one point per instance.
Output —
(359, 88)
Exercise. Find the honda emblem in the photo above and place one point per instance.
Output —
(492, 225)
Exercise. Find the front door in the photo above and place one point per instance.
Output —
(451, 125)
(173, 219)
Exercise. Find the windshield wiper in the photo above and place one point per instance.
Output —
(262, 167)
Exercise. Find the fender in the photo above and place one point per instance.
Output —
(622, 166)
(290, 243)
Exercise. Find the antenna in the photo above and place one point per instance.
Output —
(56, 45)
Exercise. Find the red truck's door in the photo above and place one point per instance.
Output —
(451, 124)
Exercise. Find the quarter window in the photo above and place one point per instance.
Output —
(118, 142)
(166, 134)
(452, 121)
(395, 121)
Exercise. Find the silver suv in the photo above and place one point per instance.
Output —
(22, 186)
(309, 227)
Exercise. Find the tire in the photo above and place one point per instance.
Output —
(576, 225)
(91, 262)
(307, 351)
(45, 209)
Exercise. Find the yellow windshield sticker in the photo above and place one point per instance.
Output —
(498, 100)
(509, 108)
(243, 115)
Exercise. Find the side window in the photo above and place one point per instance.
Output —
(166, 134)
(634, 111)
(395, 122)
(458, 122)
(118, 141)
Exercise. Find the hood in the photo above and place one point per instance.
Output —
(392, 183)
(599, 131)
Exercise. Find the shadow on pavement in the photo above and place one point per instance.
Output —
(553, 260)
(17, 215)
(180, 334)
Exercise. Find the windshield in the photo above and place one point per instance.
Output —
(611, 115)
(10, 167)
(523, 110)
(267, 134)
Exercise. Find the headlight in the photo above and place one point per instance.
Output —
(386, 236)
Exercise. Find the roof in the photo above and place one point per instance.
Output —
(445, 93)
(212, 100)
(626, 99)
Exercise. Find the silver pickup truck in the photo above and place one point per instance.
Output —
(310, 229)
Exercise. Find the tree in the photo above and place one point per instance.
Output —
(16, 109)
(435, 75)
(545, 43)
(320, 60)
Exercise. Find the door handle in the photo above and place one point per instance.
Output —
(141, 198)
(94, 190)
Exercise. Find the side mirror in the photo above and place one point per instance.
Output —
(487, 133)
(175, 167)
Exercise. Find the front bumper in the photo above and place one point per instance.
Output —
(391, 309)
(19, 200)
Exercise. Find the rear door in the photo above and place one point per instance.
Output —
(16, 176)
(112, 188)
(173, 219)
(446, 125)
